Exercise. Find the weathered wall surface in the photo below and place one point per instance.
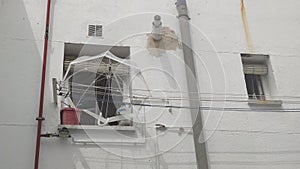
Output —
(221, 30)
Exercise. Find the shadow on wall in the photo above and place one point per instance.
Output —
(20, 73)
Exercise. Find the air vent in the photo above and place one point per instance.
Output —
(95, 30)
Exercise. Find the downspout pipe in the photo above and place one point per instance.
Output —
(200, 148)
(40, 117)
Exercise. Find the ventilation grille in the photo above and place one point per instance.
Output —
(95, 30)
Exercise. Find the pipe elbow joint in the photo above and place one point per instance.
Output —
(157, 29)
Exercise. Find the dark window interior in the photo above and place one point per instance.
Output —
(108, 99)
(254, 87)
(103, 96)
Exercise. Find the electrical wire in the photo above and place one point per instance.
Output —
(232, 109)
(201, 93)
(152, 98)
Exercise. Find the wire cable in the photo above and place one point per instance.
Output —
(208, 107)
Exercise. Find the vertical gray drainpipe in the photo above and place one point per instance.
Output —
(200, 148)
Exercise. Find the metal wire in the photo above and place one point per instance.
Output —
(185, 92)
(141, 96)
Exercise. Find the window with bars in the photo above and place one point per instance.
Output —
(255, 70)
(254, 87)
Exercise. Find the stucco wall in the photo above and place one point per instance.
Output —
(235, 139)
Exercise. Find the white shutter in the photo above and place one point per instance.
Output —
(255, 69)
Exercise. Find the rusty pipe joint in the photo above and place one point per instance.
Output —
(157, 29)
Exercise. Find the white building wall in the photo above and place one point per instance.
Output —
(246, 139)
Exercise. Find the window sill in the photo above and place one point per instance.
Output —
(104, 134)
(95, 127)
(253, 102)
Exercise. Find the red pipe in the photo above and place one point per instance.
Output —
(40, 118)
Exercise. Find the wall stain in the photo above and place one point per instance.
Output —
(246, 28)
(169, 41)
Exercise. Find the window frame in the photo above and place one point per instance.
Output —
(256, 82)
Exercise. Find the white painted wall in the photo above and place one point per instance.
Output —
(236, 140)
